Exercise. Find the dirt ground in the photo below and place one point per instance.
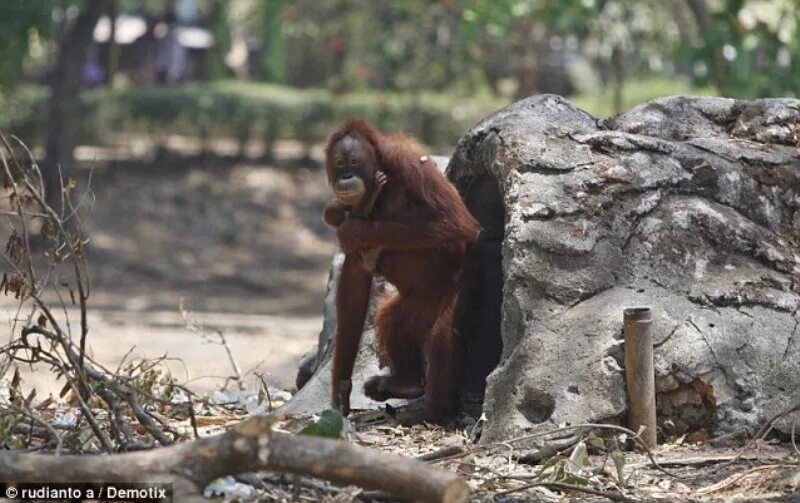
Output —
(729, 469)
(242, 244)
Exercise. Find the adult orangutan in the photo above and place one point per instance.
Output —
(397, 216)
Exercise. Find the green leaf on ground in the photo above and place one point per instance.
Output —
(329, 425)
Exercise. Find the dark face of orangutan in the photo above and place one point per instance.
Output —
(351, 170)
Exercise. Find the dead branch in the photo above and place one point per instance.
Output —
(197, 327)
(613, 427)
(100, 379)
(711, 460)
(764, 431)
(777, 478)
(266, 389)
(61, 234)
(250, 446)
(44, 430)
(443, 453)
(612, 495)
(550, 449)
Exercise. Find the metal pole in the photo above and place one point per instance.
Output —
(639, 375)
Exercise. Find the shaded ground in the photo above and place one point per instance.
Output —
(238, 238)
(241, 243)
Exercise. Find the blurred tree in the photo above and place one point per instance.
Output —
(112, 62)
(218, 21)
(746, 47)
(743, 47)
(21, 23)
(273, 48)
(517, 47)
(526, 40)
(317, 35)
(73, 39)
(626, 36)
(543, 35)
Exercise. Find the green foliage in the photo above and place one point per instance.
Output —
(220, 30)
(244, 110)
(417, 52)
(21, 22)
(249, 110)
(329, 425)
(749, 48)
(637, 91)
(497, 17)
(24, 111)
(746, 48)
(411, 44)
(274, 46)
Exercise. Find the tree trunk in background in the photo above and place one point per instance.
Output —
(528, 72)
(112, 64)
(618, 76)
(65, 85)
(220, 29)
(274, 46)
(700, 12)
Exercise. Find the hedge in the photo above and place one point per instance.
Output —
(247, 110)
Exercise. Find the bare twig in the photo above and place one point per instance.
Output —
(611, 427)
(145, 419)
(125, 435)
(52, 433)
(197, 327)
(67, 355)
(612, 495)
(756, 473)
(764, 431)
(698, 461)
(266, 390)
(555, 431)
(442, 453)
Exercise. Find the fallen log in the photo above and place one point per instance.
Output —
(248, 447)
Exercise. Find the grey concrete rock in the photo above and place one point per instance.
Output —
(688, 205)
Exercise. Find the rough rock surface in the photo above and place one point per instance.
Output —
(688, 205)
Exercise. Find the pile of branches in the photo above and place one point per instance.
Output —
(46, 266)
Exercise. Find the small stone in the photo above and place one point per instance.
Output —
(537, 211)
(667, 383)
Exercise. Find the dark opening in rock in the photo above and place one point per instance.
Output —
(687, 408)
(536, 405)
(480, 325)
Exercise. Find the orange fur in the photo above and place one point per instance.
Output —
(423, 228)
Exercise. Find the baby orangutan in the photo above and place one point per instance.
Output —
(338, 207)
